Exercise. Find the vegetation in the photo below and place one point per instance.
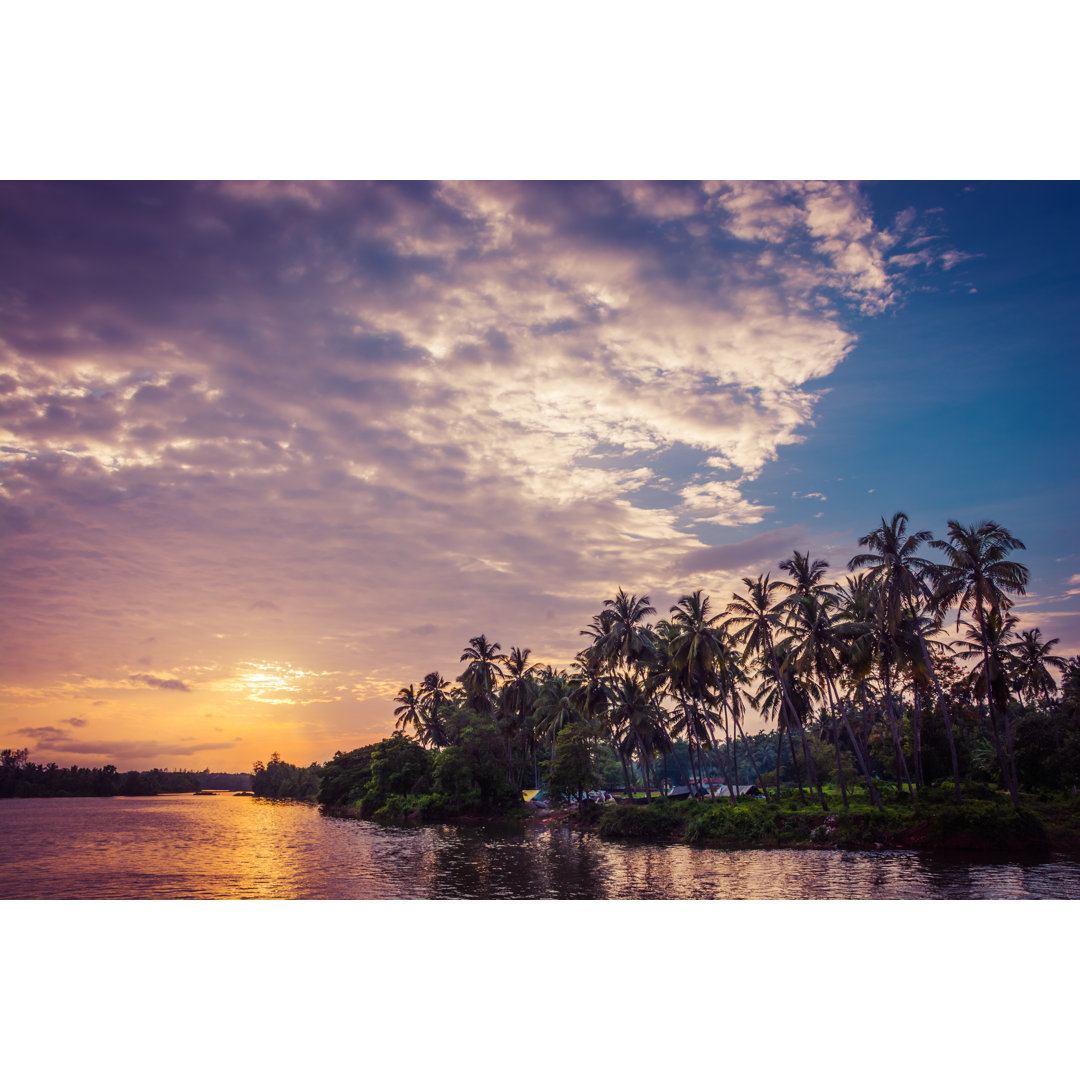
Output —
(986, 821)
(871, 710)
(278, 779)
(399, 778)
(22, 778)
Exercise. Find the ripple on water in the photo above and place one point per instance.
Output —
(173, 847)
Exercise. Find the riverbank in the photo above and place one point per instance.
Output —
(985, 822)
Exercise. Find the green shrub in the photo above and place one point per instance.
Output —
(984, 825)
(656, 821)
(741, 826)
(395, 808)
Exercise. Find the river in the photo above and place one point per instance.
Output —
(225, 847)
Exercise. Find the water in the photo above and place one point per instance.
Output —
(200, 847)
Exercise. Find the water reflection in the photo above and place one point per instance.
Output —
(223, 847)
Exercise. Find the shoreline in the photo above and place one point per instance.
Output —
(979, 827)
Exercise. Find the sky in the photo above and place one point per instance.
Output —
(270, 452)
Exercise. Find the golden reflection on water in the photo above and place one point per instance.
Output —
(222, 846)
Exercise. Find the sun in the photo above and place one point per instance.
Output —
(272, 683)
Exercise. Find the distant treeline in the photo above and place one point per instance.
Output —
(279, 780)
(21, 778)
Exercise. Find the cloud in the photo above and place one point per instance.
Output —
(952, 258)
(757, 552)
(721, 503)
(925, 242)
(53, 739)
(909, 259)
(428, 406)
(42, 734)
(76, 721)
(808, 495)
(161, 684)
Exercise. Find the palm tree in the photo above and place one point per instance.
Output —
(434, 694)
(730, 677)
(979, 578)
(590, 691)
(408, 712)
(816, 651)
(777, 698)
(806, 576)
(623, 644)
(598, 629)
(866, 650)
(911, 642)
(756, 618)
(689, 719)
(804, 588)
(902, 577)
(481, 677)
(695, 648)
(1032, 662)
(555, 707)
(517, 698)
(635, 718)
(698, 640)
(628, 641)
(990, 647)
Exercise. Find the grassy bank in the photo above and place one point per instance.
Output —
(985, 822)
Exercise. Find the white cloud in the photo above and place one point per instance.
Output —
(951, 258)
(721, 503)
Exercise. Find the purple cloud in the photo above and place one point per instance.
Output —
(161, 684)
(760, 552)
(124, 749)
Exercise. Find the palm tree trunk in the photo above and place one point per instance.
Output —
(1009, 747)
(866, 723)
(795, 762)
(811, 769)
(1007, 774)
(708, 771)
(943, 705)
(724, 762)
(695, 770)
(779, 752)
(732, 757)
(864, 763)
(750, 754)
(679, 766)
(644, 769)
(626, 776)
(890, 712)
(836, 746)
(916, 733)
